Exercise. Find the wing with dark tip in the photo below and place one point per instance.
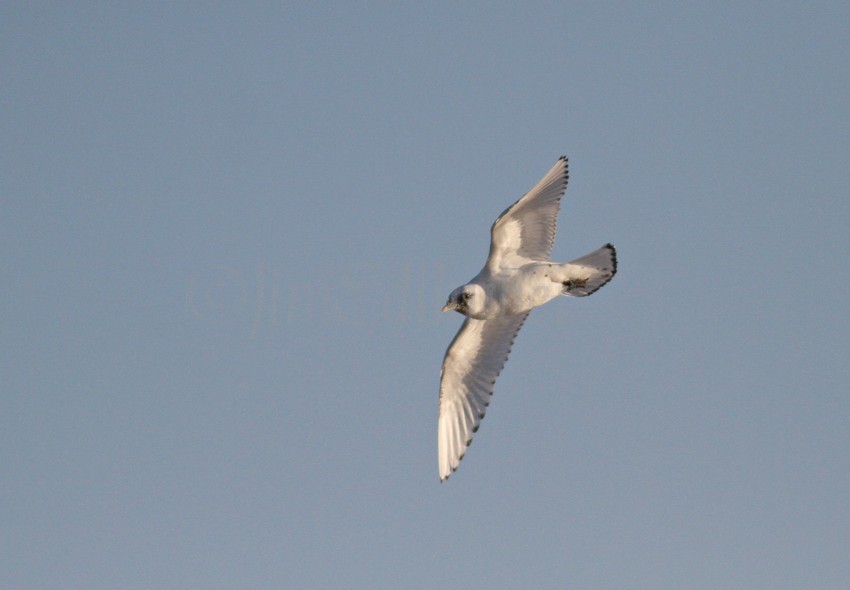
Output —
(526, 230)
(473, 361)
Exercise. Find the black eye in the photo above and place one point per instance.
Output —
(466, 295)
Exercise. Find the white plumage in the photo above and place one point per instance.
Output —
(517, 277)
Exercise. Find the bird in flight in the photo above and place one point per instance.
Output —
(517, 277)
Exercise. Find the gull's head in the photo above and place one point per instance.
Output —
(468, 300)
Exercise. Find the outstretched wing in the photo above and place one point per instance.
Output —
(473, 361)
(526, 230)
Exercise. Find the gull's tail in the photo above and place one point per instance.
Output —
(584, 276)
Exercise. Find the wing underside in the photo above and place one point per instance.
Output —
(525, 232)
(473, 360)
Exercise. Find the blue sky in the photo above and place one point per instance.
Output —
(227, 233)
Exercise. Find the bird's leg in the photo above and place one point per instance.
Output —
(574, 284)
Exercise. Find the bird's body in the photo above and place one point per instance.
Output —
(515, 293)
(517, 277)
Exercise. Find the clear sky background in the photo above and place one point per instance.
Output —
(227, 232)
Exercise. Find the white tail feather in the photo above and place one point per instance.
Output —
(584, 276)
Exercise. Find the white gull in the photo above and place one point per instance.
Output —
(517, 277)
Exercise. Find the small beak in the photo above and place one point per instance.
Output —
(450, 306)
